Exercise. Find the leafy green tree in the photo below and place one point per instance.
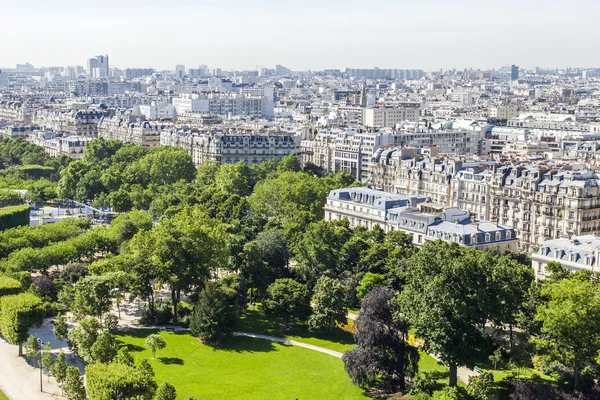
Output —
(92, 296)
(189, 247)
(481, 387)
(318, 252)
(118, 381)
(570, 332)
(254, 270)
(368, 283)
(329, 306)
(166, 165)
(445, 299)
(32, 348)
(59, 368)
(510, 282)
(100, 151)
(496, 357)
(287, 299)
(123, 357)
(83, 336)
(73, 386)
(275, 249)
(166, 391)
(104, 348)
(213, 316)
(289, 163)
(155, 342)
(19, 313)
(383, 359)
(234, 179)
(206, 173)
(47, 360)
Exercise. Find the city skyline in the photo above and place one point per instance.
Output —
(429, 35)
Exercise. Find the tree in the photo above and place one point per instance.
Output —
(60, 328)
(287, 299)
(104, 348)
(234, 179)
(328, 304)
(481, 387)
(92, 296)
(445, 299)
(59, 368)
(47, 360)
(275, 249)
(382, 359)
(19, 313)
(213, 315)
(496, 357)
(83, 336)
(570, 332)
(189, 247)
(73, 386)
(155, 342)
(289, 163)
(254, 270)
(32, 348)
(118, 381)
(166, 391)
(123, 357)
(318, 251)
(368, 283)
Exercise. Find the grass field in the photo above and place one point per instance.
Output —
(338, 338)
(3, 396)
(244, 368)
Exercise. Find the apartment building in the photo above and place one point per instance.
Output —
(541, 201)
(223, 104)
(142, 133)
(389, 117)
(74, 122)
(232, 147)
(578, 253)
(417, 216)
(71, 146)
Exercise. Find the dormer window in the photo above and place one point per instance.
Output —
(488, 237)
(573, 257)
(498, 236)
(508, 234)
(474, 238)
(558, 253)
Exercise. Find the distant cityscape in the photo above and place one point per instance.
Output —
(513, 146)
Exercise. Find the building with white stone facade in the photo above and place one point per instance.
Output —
(541, 201)
(578, 253)
(75, 122)
(232, 147)
(143, 133)
(416, 215)
(223, 104)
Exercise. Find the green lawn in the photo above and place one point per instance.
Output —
(244, 368)
(3, 396)
(338, 339)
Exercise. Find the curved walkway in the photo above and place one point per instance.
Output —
(292, 342)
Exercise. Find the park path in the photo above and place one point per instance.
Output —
(289, 341)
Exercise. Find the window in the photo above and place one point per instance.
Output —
(498, 236)
(558, 253)
(474, 238)
(488, 237)
(573, 257)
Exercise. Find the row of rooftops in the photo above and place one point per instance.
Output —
(418, 214)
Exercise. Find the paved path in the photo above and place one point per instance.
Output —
(292, 342)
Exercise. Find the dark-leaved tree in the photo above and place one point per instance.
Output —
(383, 359)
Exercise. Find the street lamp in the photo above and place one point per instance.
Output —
(40, 362)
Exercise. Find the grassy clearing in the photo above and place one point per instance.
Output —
(244, 368)
(3, 396)
(339, 338)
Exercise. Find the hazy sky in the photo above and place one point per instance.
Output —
(302, 34)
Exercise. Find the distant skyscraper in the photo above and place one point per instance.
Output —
(98, 67)
(509, 72)
(180, 70)
(363, 95)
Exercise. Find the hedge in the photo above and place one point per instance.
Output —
(9, 286)
(37, 171)
(9, 197)
(14, 216)
(19, 313)
(111, 381)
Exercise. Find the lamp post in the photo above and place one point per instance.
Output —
(40, 363)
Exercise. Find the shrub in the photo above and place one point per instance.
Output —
(9, 286)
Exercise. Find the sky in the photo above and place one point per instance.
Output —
(302, 34)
